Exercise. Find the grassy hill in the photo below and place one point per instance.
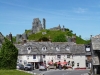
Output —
(51, 34)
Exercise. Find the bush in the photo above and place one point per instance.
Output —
(60, 38)
(8, 55)
(43, 39)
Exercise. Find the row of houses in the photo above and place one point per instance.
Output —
(37, 52)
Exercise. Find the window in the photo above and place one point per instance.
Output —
(87, 48)
(44, 61)
(27, 57)
(43, 56)
(25, 62)
(20, 60)
(67, 48)
(59, 56)
(68, 56)
(29, 48)
(57, 48)
(44, 48)
(77, 64)
(34, 56)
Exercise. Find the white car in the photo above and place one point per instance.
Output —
(42, 68)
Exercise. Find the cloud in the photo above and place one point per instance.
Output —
(80, 10)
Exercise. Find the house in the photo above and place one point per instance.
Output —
(95, 47)
(88, 56)
(38, 52)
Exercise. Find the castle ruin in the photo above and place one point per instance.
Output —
(37, 26)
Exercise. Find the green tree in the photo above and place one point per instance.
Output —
(43, 39)
(60, 38)
(8, 55)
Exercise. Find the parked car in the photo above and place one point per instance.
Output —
(28, 67)
(20, 66)
(42, 68)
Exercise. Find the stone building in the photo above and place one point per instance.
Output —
(9, 37)
(21, 37)
(71, 38)
(88, 56)
(36, 25)
(56, 28)
(95, 48)
(44, 23)
(37, 52)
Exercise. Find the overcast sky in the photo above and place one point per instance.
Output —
(81, 16)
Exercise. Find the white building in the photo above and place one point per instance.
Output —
(37, 52)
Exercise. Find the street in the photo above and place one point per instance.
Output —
(61, 72)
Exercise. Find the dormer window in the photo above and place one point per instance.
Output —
(87, 47)
(57, 48)
(67, 48)
(29, 48)
(44, 48)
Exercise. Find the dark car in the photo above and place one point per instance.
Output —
(20, 66)
(28, 67)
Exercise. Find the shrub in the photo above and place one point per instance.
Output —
(8, 55)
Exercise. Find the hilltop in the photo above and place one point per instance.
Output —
(39, 33)
(50, 35)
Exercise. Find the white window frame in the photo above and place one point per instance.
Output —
(68, 48)
(57, 48)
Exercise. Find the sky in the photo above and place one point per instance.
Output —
(80, 16)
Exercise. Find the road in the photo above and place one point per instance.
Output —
(62, 72)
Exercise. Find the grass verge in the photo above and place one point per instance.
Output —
(13, 72)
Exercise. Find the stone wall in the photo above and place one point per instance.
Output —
(36, 25)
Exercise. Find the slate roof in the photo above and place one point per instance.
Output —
(95, 42)
(36, 48)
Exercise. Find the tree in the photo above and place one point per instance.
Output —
(60, 38)
(43, 39)
(8, 55)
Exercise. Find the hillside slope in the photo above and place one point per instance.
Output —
(51, 34)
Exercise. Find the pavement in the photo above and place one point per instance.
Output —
(37, 72)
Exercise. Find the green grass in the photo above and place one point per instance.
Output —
(52, 34)
(49, 33)
(13, 72)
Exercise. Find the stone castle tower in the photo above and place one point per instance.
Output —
(36, 25)
(44, 23)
